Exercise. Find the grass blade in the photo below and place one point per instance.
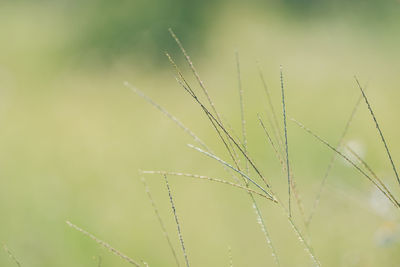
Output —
(195, 73)
(274, 122)
(286, 141)
(267, 236)
(160, 221)
(104, 244)
(308, 248)
(332, 162)
(344, 157)
(215, 120)
(203, 177)
(218, 126)
(215, 123)
(368, 168)
(244, 136)
(233, 168)
(177, 221)
(293, 185)
(171, 117)
(379, 130)
(166, 113)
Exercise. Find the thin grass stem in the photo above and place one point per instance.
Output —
(286, 142)
(203, 177)
(307, 246)
(332, 162)
(233, 168)
(166, 113)
(293, 185)
(274, 123)
(343, 156)
(218, 126)
(160, 221)
(182, 81)
(104, 244)
(379, 130)
(267, 236)
(177, 221)
(196, 74)
(240, 88)
(172, 118)
(368, 168)
(215, 120)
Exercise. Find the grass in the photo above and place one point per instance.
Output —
(104, 244)
(246, 178)
(110, 205)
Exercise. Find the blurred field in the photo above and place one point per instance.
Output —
(73, 137)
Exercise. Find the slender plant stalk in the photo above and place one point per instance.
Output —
(258, 212)
(160, 221)
(267, 236)
(201, 83)
(244, 135)
(297, 197)
(269, 138)
(182, 81)
(256, 208)
(195, 73)
(276, 134)
(276, 199)
(104, 244)
(174, 119)
(298, 233)
(230, 128)
(379, 130)
(344, 157)
(217, 124)
(212, 118)
(260, 219)
(177, 221)
(235, 136)
(274, 123)
(236, 160)
(368, 168)
(278, 150)
(332, 162)
(166, 113)
(226, 143)
(236, 170)
(203, 177)
(307, 246)
(215, 120)
(293, 185)
(11, 255)
(286, 142)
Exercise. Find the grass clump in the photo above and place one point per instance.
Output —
(246, 172)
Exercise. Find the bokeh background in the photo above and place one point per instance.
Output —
(73, 138)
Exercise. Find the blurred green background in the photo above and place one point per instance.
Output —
(73, 138)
